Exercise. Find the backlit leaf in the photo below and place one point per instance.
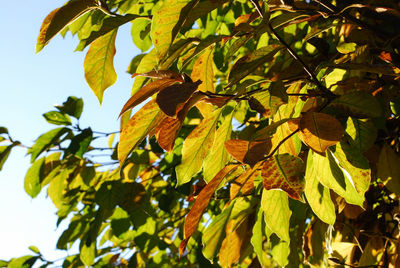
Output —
(99, 64)
(140, 33)
(319, 131)
(138, 127)
(61, 17)
(318, 196)
(57, 118)
(389, 168)
(218, 156)
(275, 205)
(248, 152)
(203, 70)
(162, 74)
(33, 178)
(280, 250)
(80, 143)
(167, 20)
(146, 92)
(359, 104)
(257, 239)
(196, 147)
(201, 203)
(363, 133)
(244, 184)
(4, 154)
(285, 172)
(46, 141)
(171, 99)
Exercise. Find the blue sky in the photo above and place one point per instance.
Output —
(30, 85)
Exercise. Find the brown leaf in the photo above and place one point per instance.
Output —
(218, 101)
(201, 203)
(171, 99)
(248, 152)
(162, 74)
(146, 92)
(244, 183)
(284, 172)
(320, 131)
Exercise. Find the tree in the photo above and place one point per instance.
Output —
(269, 136)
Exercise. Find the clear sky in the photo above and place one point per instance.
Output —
(30, 85)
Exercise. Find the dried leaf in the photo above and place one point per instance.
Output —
(248, 152)
(243, 184)
(162, 74)
(201, 203)
(319, 131)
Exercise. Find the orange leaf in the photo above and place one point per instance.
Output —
(201, 203)
(171, 99)
(244, 183)
(218, 101)
(249, 152)
(284, 171)
(162, 74)
(146, 92)
(319, 131)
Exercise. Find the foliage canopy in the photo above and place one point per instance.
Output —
(269, 136)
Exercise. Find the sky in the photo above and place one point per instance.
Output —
(30, 85)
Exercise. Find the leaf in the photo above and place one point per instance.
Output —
(171, 99)
(34, 249)
(146, 92)
(46, 141)
(201, 203)
(218, 156)
(389, 168)
(317, 195)
(358, 104)
(331, 176)
(275, 205)
(87, 251)
(203, 45)
(140, 33)
(280, 250)
(80, 143)
(363, 133)
(284, 171)
(314, 239)
(107, 25)
(235, 243)
(137, 128)
(33, 178)
(215, 233)
(373, 252)
(244, 184)
(57, 118)
(196, 147)
(4, 154)
(320, 131)
(248, 152)
(346, 48)
(61, 17)
(73, 107)
(99, 67)
(257, 239)
(167, 20)
(23, 262)
(203, 70)
(247, 64)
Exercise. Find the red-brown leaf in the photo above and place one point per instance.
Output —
(146, 92)
(171, 99)
(162, 74)
(249, 152)
(201, 203)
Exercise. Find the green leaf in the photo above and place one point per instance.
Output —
(140, 33)
(215, 233)
(4, 154)
(137, 128)
(331, 176)
(58, 186)
(389, 168)
(23, 262)
(167, 20)
(80, 143)
(60, 18)
(73, 106)
(99, 67)
(275, 205)
(218, 156)
(34, 249)
(33, 178)
(317, 195)
(196, 147)
(346, 48)
(88, 251)
(247, 64)
(57, 118)
(46, 141)
(358, 104)
(108, 24)
(3, 130)
(257, 239)
(203, 70)
(280, 250)
(363, 133)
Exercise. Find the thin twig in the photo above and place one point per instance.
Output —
(280, 143)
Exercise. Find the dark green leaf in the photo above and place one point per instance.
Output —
(73, 106)
(80, 143)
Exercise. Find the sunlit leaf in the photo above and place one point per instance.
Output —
(140, 33)
(249, 152)
(4, 154)
(201, 203)
(359, 104)
(363, 133)
(203, 70)
(244, 184)
(285, 172)
(280, 250)
(80, 143)
(61, 17)
(99, 64)
(317, 195)
(319, 131)
(257, 239)
(57, 118)
(33, 178)
(138, 127)
(196, 147)
(275, 205)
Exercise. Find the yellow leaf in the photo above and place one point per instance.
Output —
(203, 70)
